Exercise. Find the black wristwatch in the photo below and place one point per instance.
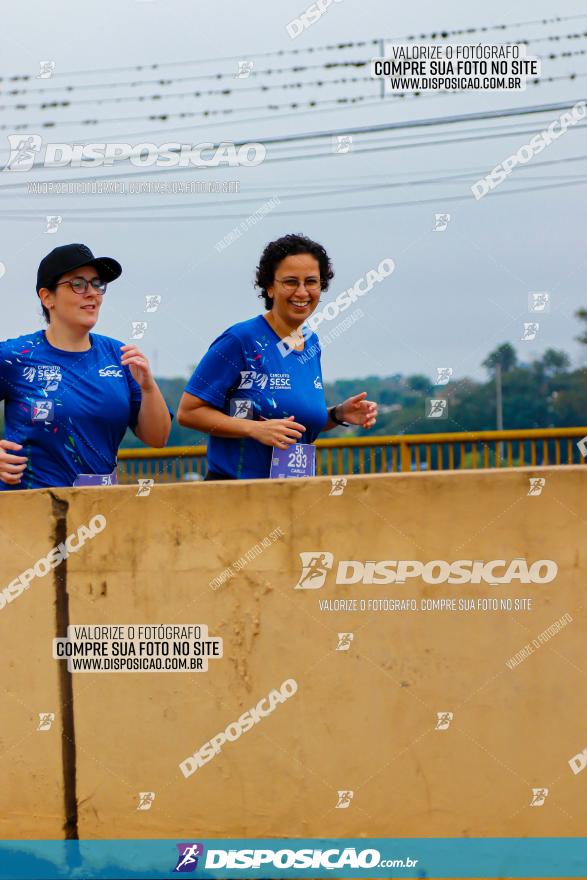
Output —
(332, 416)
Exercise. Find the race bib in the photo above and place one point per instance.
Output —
(296, 461)
(96, 479)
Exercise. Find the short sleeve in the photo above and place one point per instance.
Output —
(5, 367)
(218, 371)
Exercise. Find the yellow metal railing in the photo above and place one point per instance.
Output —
(377, 454)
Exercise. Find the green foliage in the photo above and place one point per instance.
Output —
(543, 393)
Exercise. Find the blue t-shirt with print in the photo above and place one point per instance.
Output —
(244, 375)
(68, 409)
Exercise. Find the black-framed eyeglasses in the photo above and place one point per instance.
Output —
(311, 284)
(80, 285)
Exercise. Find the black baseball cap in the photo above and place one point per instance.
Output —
(72, 256)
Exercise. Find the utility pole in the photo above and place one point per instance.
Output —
(382, 54)
(499, 406)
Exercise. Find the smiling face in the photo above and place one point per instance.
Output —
(66, 307)
(293, 306)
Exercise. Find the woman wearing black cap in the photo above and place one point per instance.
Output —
(71, 394)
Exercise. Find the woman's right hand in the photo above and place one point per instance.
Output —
(11, 466)
(281, 433)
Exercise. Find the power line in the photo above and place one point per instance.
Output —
(164, 117)
(120, 99)
(191, 114)
(442, 33)
(300, 68)
(311, 191)
(353, 207)
(366, 102)
(378, 127)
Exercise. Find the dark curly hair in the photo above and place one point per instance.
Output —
(287, 246)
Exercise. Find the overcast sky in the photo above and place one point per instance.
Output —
(454, 295)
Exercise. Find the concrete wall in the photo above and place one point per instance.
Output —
(362, 719)
(32, 791)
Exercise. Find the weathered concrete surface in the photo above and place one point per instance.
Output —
(363, 719)
(31, 793)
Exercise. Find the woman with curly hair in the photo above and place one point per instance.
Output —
(259, 386)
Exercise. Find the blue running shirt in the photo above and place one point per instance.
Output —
(244, 375)
(69, 409)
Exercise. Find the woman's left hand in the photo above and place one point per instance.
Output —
(138, 365)
(358, 411)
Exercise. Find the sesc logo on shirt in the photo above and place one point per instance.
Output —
(280, 381)
(111, 371)
(50, 374)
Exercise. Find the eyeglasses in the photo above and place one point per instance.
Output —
(292, 284)
(80, 285)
